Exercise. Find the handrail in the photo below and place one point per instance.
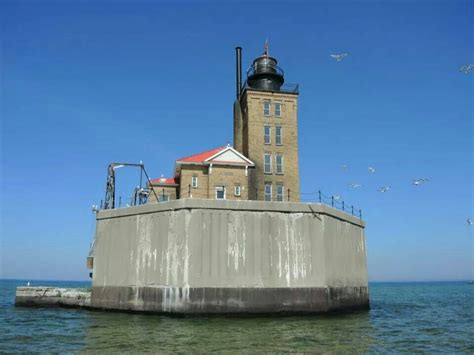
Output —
(285, 88)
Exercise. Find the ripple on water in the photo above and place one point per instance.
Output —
(435, 317)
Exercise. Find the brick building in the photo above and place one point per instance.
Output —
(221, 173)
(263, 164)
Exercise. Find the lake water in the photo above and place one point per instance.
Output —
(409, 317)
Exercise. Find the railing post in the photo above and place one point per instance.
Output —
(288, 195)
(189, 190)
(352, 210)
(319, 196)
(360, 214)
(256, 193)
(343, 205)
(101, 203)
(332, 201)
(120, 201)
(163, 194)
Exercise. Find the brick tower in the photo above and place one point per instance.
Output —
(266, 129)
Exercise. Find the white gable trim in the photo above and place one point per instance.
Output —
(245, 160)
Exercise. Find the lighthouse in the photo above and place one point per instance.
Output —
(266, 128)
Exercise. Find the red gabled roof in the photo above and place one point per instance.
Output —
(200, 157)
(165, 181)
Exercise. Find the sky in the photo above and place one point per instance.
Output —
(86, 83)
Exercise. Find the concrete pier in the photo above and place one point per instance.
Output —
(52, 297)
(205, 256)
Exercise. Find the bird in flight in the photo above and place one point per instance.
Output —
(418, 182)
(336, 197)
(466, 69)
(384, 188)
(344, 167)
(470, 221)
(339, 56)
(355, 185)
(371, 169)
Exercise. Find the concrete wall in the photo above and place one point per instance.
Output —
(208, 256)
(52, 297)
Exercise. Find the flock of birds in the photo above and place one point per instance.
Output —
(466, 69)
(383, 189)
(371, 169)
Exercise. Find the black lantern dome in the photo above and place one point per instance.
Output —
(264, 74)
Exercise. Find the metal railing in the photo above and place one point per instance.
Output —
(333, 201)
(285, 88)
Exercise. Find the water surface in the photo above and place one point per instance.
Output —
(403, 317)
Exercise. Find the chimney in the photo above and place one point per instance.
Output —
(238, 70)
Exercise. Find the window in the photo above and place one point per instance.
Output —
(266, 108)
(277, 109)
(163, 197)
(278, 131)
(280, 193)
(267, 163)
(267, 134)
(194, 181)
(279, 164)
(268, 192)
(237, 190)
(220, 192)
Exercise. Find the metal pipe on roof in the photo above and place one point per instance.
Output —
(238, 67)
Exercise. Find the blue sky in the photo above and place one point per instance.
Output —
(87, 83)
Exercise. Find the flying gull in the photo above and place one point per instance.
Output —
(339, 56)
(466, 69)
(355, 185)
(418, 182)
(384, 188)
(371, 169)
(470, 221)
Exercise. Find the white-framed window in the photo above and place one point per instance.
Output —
(267, 133)
(278, 135)
(267, 163)
(268, 192)
(279, 164)
(163, 197)
(237, 190)
(220, 192)
(266, 108)
(277, 109)
(280, 193)
(194, 182)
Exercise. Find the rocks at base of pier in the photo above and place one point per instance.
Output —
(52, 297)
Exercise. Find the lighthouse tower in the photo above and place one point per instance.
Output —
(266, 128)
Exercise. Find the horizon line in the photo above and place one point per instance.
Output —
(370, 281)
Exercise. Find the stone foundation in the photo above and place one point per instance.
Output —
(52, 297)
(204, 256)
(231, 300)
